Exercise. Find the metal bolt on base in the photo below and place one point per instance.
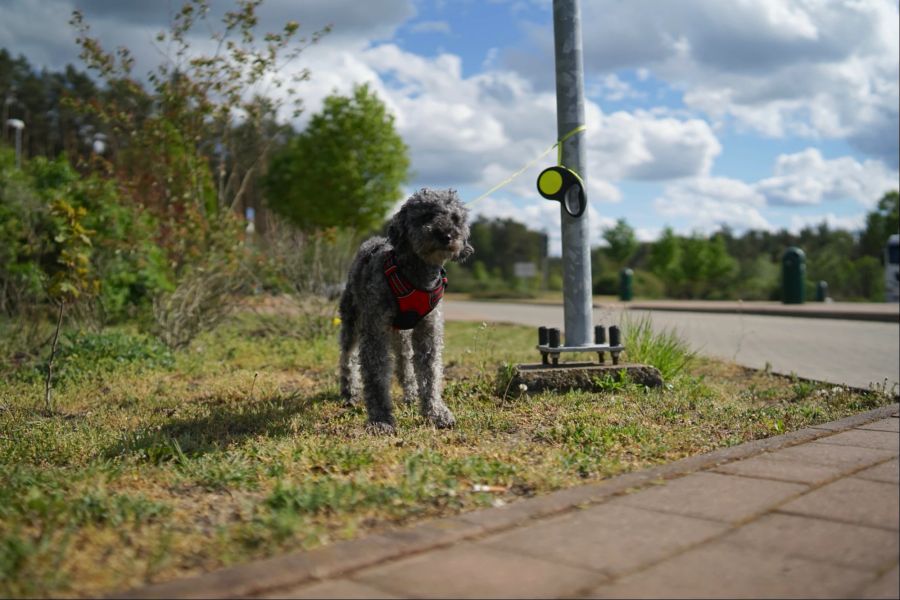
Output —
(550, 345)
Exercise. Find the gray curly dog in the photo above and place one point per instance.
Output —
(390, 309)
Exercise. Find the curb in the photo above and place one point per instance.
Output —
(810, 313)
(342, 557)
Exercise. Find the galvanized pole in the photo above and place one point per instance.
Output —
(576, 252)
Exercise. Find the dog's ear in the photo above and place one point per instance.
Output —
(396, 228)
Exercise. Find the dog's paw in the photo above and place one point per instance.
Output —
(381, 428)
(441, 417)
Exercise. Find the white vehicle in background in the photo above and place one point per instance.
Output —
(891, 259)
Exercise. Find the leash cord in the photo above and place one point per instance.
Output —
(557, 144)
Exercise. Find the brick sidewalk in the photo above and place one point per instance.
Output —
(813, 513)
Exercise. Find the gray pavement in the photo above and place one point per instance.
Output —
(840, 351)
(810, 514)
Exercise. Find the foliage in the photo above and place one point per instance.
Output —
(344, 170)
(881, 223)
(202, 298)
(177, 148)
(309, 268)
(26, 240)
(73, 278)
(621, 240)
(128, 267)
(85, 356)
(37, 97)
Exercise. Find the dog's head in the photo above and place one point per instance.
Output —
(434, 225)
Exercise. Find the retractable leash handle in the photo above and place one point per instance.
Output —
(563, 185)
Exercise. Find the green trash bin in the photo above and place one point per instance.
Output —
(626, 285)
(821, 291)
(793, 276)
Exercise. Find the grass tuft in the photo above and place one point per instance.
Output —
(664, 349)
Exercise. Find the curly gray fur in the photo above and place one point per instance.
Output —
(429, 229)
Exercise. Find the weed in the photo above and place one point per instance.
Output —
(664, 350)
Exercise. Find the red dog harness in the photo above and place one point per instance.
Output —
(412, 304)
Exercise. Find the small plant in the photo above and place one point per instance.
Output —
(73, 280)
(661, 349)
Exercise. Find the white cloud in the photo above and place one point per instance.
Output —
(610, 87)
(710, 202)
(430, 27)
(808, 178)
(481, 128)
(812, 68)
(803, 179)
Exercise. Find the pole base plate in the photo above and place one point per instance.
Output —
(586, 376)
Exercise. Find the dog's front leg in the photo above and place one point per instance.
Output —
(376, 368)
(428, 346)
(403, 365)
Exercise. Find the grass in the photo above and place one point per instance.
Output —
(160, 465)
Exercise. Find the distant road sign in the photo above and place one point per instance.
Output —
(524, 269)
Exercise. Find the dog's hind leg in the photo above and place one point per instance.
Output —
(376, 365)
(403, 364)
(349, 366)
(428, 346)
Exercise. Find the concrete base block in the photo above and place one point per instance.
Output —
(587, 376)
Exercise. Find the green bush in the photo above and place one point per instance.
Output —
(124, 256)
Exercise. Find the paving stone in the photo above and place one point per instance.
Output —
(888, 472)
(610, 538)
(713, 496)
(864, 438)
(852, 500)
(473, 571)
(720, 570)
(767, 467)
(851, 458)
(857, 546)
(889, 424)
(338, 588)
(886, 586)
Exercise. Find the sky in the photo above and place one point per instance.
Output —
(755, 114)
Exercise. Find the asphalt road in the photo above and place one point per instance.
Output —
(855, 353)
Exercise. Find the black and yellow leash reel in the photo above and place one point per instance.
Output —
(565, 186)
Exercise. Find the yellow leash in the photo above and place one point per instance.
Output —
(558, 144)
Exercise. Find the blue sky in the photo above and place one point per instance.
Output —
(751, 113)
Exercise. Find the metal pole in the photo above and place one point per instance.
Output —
(18, 147)
(576, 252)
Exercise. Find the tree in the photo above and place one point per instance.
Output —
(622, 241)
(344, 170)
(665, 260)
(174, 148)
(880, 224)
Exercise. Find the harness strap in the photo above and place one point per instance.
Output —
(412, 304)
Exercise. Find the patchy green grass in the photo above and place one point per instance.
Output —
(161, 465)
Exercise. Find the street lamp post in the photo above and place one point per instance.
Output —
(18, 125)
